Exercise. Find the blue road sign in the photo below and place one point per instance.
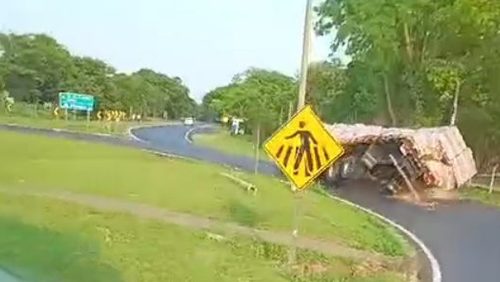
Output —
(76, 101)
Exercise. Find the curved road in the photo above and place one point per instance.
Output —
(463, 236)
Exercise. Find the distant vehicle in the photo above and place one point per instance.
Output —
(189, 121)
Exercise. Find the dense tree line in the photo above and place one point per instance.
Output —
(418, 60)
(413, 63)
(34, 68)
(262, 97)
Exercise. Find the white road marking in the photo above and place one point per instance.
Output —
(133, 136)
(136, 138)
(188, 134)
(436, 269)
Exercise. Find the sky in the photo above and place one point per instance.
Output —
(204, 42)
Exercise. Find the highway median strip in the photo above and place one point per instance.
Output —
(58, 240)
(120, 172)
(191, 221)
(127, 175)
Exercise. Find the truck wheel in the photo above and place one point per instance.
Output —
(389, 189)
(331, 176)
(345, 169)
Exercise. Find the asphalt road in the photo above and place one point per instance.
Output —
(463, 236)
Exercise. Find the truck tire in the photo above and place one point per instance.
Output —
(331, 176)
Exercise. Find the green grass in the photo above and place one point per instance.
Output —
(48, 240)
(37, 162)
(222, 141)
(117, 128)
(481, 195)
(26, 115)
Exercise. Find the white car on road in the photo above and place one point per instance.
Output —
(189, 121)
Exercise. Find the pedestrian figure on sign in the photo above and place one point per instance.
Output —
(303, 152)
(306, 151)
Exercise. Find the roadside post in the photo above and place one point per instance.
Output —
(257, 149)
(302, 148)
(492, 180)
(109, 117)
(88, 118)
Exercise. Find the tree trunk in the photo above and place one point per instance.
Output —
(424, 47)
(409, 48)
(388, 101)
(455, 103)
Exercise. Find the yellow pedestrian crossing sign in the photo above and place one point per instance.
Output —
(303, 148)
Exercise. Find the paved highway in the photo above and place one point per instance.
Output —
(464, 236)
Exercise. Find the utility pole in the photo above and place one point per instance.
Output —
(306, 45)
(298, 195)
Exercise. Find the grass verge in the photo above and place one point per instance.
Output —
(114, 128)
(36, 116)
(37, 162)
(57, 241)
(482, 195)
(224, 142)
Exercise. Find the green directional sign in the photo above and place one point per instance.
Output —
(76, 101)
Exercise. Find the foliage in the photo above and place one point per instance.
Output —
(259, 96)
(411, 58)
(34, 68)
(325, 87)
(413, 63)
(481, 195)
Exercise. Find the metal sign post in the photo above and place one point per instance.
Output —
(88, 119)
(297, 214)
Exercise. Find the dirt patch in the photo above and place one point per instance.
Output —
(308, 270)
(430, 198)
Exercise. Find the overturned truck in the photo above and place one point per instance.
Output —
(398, 157)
